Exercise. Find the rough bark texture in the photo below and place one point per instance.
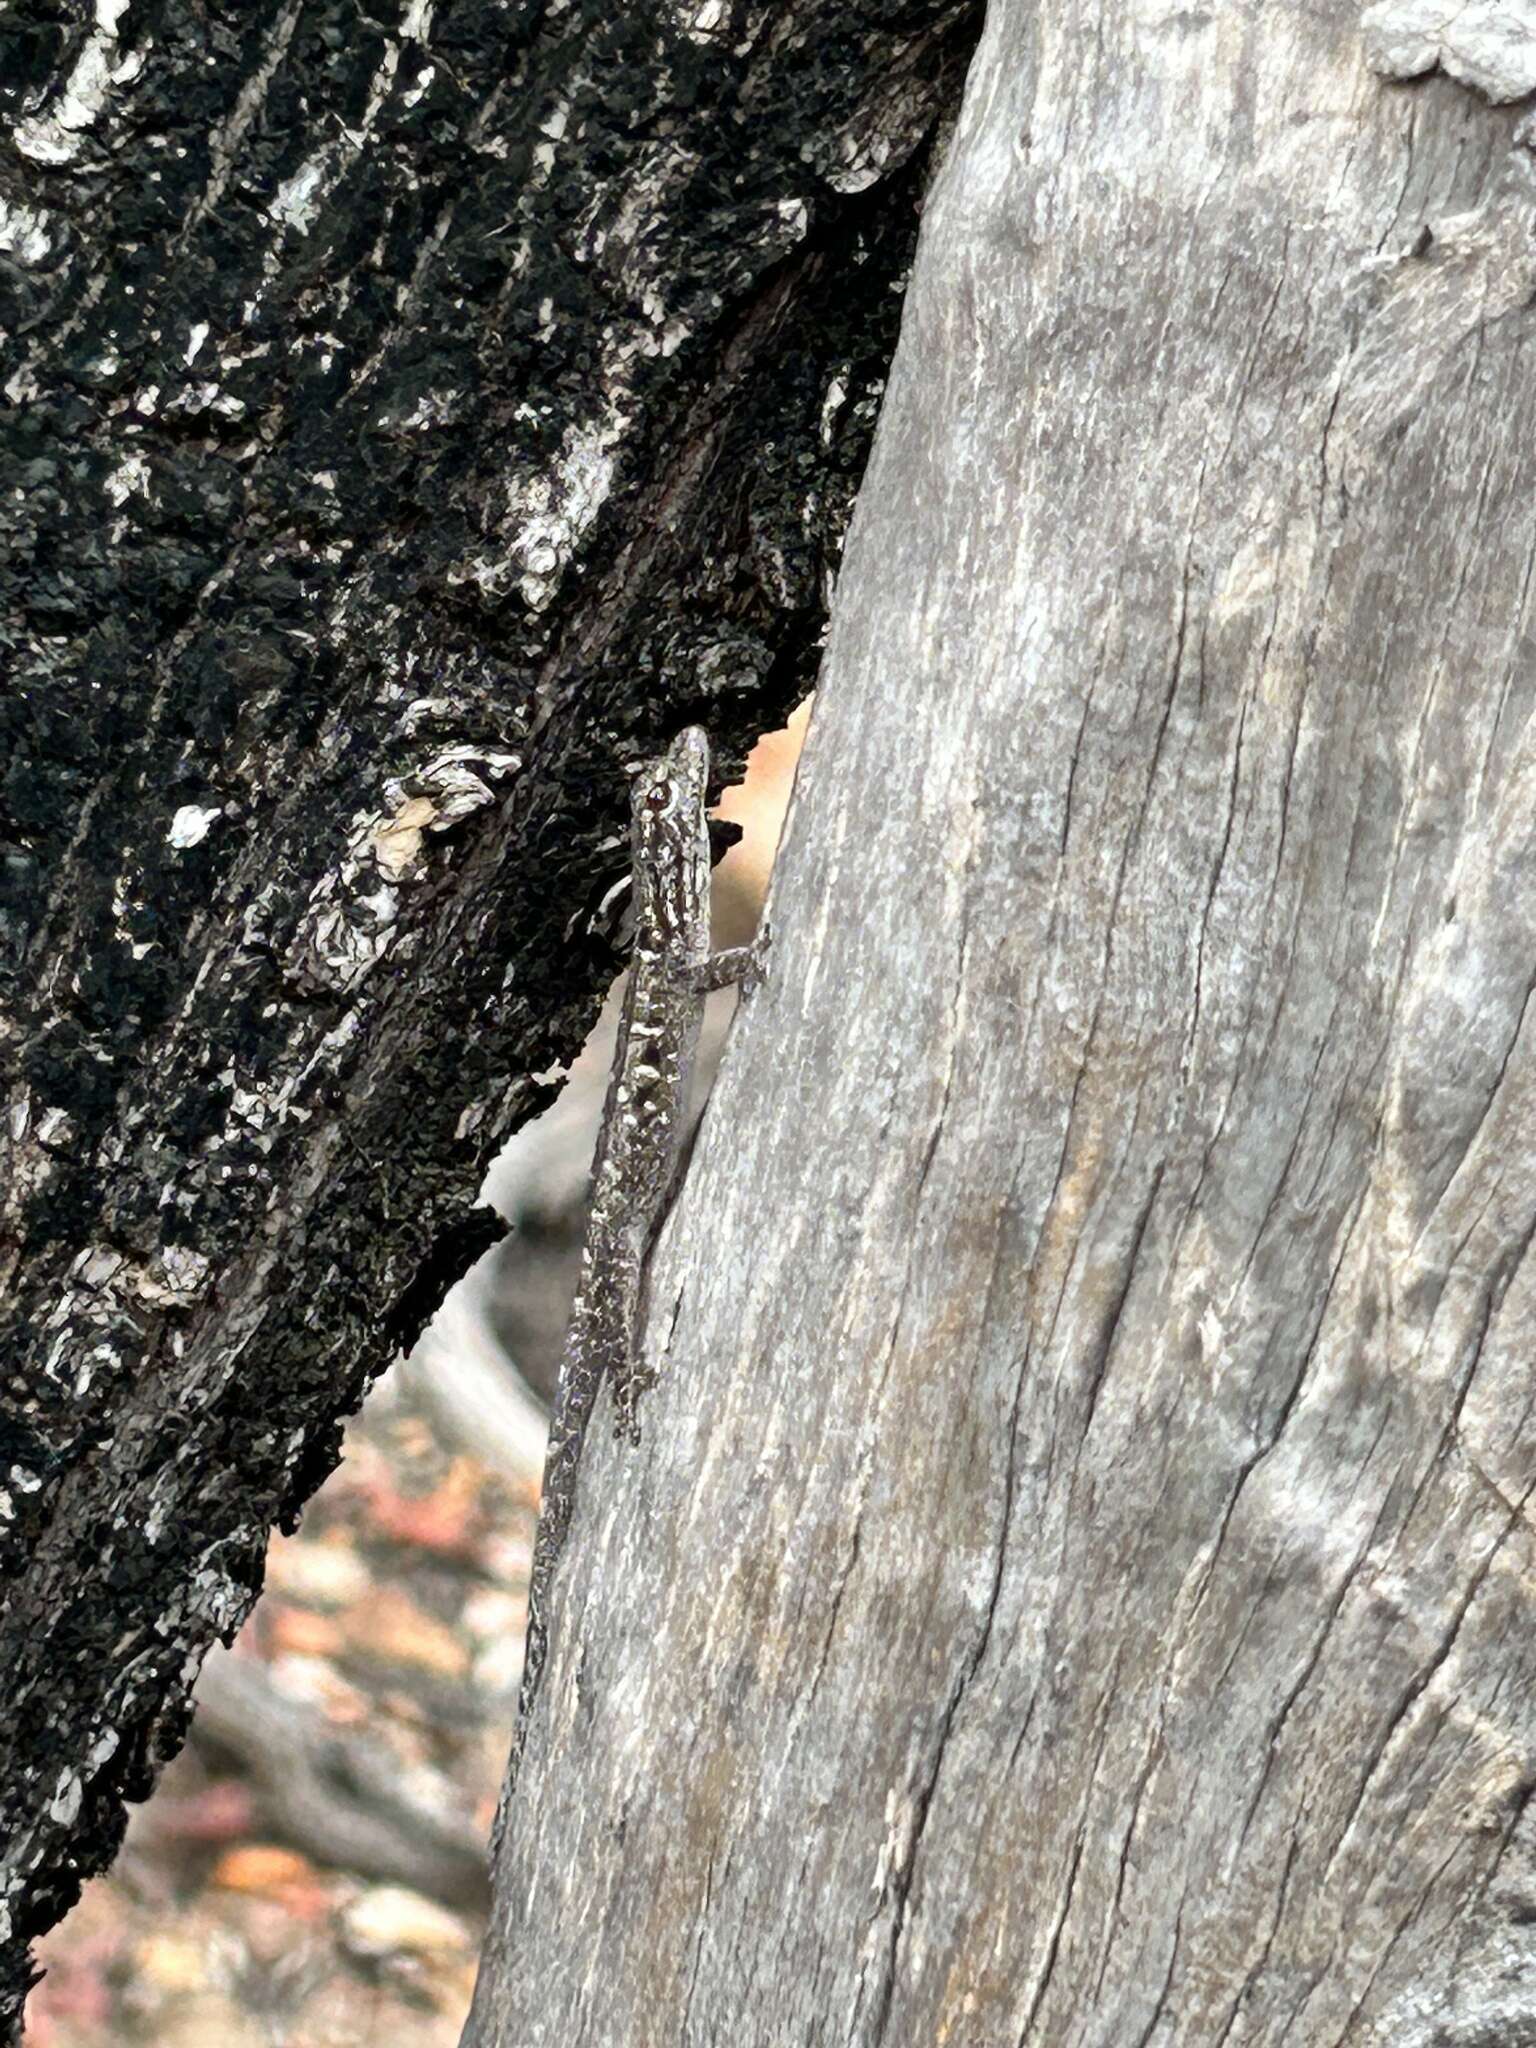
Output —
(1077, 1584)
(409, 423)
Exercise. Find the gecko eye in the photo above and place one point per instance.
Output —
(656, 798)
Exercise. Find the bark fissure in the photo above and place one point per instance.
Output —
(1415, 1691)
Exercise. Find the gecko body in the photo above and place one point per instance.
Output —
(639, 1143)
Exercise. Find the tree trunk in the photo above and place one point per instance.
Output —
(409, 425)
(1076, 1585)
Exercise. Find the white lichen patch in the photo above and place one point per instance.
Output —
(58, 135)
(397, 840)
(1487, 44)
(552, 512)
(297, 201)
(338, 946)
(832, 402)
(24, 234)
(122, 910)
(258, 1114)
(353, 910)
(430, 409)
(861, 155)
(29, 1164)
(794, 217)
(671, 333)
(55, 1127)
(418, 91)
(459, 781)
(176, 1280)
(22, 387)
(423, 710)
(701, 20)
(191, 824)
(64, 1807)
(102, 1750)
(88, 1316)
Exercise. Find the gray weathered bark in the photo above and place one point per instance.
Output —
(1077, 1583)
(409, 422)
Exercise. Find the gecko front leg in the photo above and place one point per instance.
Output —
(747, 965)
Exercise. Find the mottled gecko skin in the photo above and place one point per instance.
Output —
(639, 1143)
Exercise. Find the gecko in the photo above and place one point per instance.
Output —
(639, 1146)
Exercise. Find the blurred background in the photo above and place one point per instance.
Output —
(311, 1870)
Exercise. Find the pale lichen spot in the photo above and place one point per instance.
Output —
(552, 512)
(22, 387)
(353, 910)
(700, 20)
(831, 405)
(64, 1807)
(397, 840)
(24, 234)
(190, 826)
(297, 201)
(57, 136)
(176, 1280)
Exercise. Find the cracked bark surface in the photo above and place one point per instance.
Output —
(409, 423)
(1076, 1587)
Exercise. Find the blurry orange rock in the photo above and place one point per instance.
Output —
(262, 1867)
(393, 1629)
(293, 1631)
(443, 1521)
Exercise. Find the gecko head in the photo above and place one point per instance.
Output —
(672, 787)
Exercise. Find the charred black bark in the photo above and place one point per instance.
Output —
(408, 425)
